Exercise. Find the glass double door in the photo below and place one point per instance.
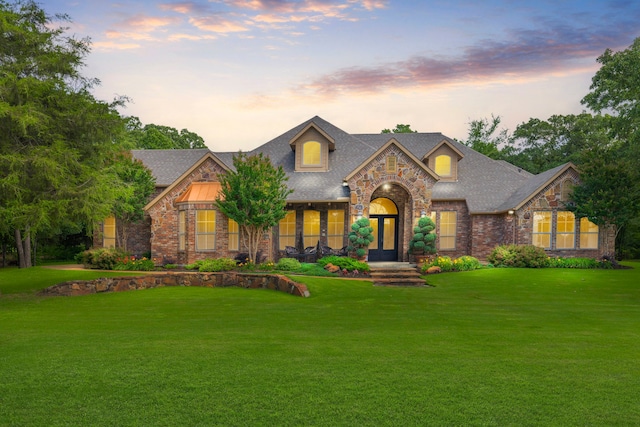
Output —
(385, 243)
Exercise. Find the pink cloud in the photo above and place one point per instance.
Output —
(215, 24)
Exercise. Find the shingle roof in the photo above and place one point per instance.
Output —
(487, 185)
(168, 165)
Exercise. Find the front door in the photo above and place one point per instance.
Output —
(383, 215)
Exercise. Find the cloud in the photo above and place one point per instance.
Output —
(111, 45)
(218, 24)
(525, 53)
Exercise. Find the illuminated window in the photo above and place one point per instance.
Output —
(234, 235)
(588, 234)
(109, 233)
(392, 164)
(335, 228)
(182, 229)
(311, 228)
(448, 226)
(566, 230)
(311, 153)
(433, 215)
(541, 235)
(382, 206)
(443, 165)
(287, 227)
(205, 230)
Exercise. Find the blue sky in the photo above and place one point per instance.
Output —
(241, 72)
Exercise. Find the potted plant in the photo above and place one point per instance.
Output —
(360, 238)
(423, 242)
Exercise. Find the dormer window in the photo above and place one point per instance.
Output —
(443, 165)
(312, 153)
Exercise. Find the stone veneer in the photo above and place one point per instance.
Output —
(147, 281)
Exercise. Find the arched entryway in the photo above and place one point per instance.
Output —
(383, 214)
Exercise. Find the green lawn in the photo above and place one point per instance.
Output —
(488, 347)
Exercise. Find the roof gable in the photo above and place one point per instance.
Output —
(446, 143)
(304, 130)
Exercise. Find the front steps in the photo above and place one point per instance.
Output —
(395, 274)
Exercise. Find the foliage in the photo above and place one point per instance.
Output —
(254, 195)
(137, 185)
(56, 139)
(482, 138)
(360, 237)
(131, 263)
(463, 263)
(423, 240)
(101, 258)
(400, 128)
(524, 256)
(578, 262)
(217, 264)
(345, 263)
(288, 264)
(161, 137)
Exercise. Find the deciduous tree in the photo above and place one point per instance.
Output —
(254, 196)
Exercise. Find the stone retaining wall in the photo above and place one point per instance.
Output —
(209, 280)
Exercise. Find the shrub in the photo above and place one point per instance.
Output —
(102, 258)
(217, 264)
(345, 263)
(424, 239)
(360, 237)
(466, 263)
(577, 263)
(131, 263)
(444, 262)
(288, 264)
(527, 256)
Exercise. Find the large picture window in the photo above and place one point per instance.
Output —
(335, 228)
(234, 235)
(205, 230)
(287, 227)
(311, 228)
(541, 235)
(565, 230)
(182, 229)
(448, 227)
(109, 232)
(588, 234)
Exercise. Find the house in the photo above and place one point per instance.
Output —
(476, 202)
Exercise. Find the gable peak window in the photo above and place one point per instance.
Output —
(443, 165)
(312, 153)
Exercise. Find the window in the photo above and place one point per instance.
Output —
(588, 234)
(541, 235)
(205, 230)
(565, 230)
(109, 232)
(382, 206)
(182, 228)
(234, 235)
(287, 227)
(311, 153)
(448, 225)
(335, 228)
(443, 165)
(311, 228)
(392, 164)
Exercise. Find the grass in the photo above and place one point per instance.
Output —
(486, 347)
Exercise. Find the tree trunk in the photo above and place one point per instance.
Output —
(24, 248)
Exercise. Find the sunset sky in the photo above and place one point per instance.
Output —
(241, 72)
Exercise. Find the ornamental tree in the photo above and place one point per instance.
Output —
(254, 196)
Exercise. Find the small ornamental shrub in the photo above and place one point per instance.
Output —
(131, 263)
(424, 239)
(217, 264)
(360, 237)
(102, 259)
(523, 256)
(444, 262)
(345, 263)
(194, 266)
(266, 266)
(288, 264)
